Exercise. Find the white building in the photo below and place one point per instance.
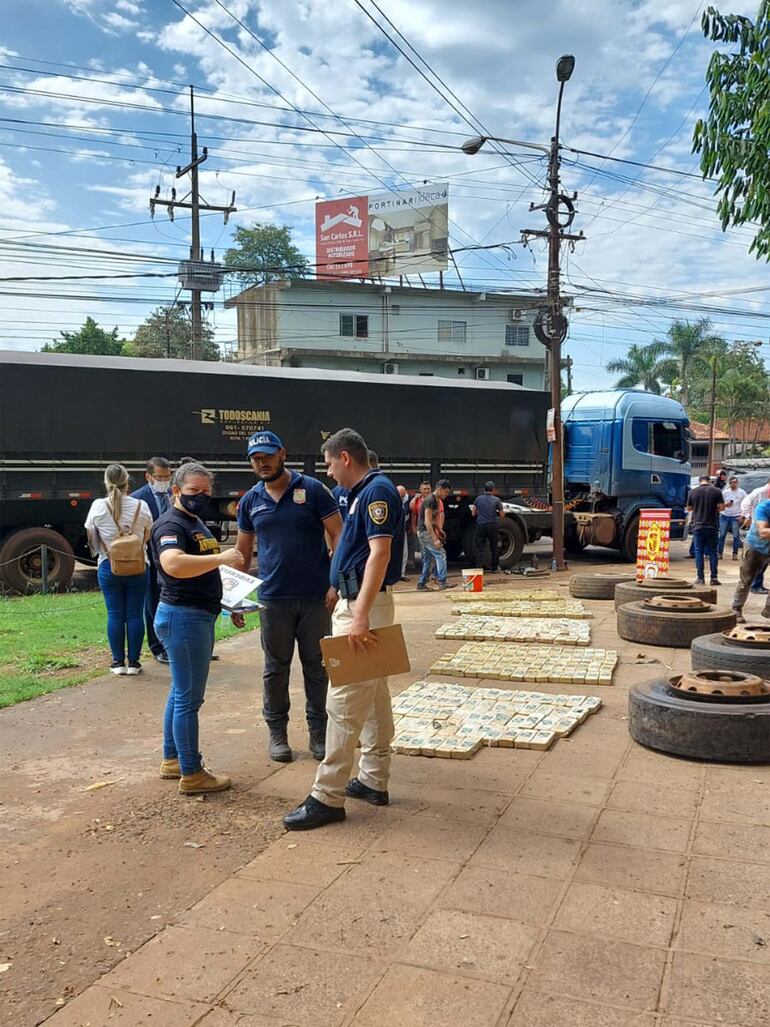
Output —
(391, 329)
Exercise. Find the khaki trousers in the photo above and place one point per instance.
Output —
(357, 711)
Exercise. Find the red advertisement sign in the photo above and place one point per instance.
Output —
(654, 541)
(342, 238)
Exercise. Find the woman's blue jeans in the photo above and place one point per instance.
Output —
(124, 599)
(187, 634)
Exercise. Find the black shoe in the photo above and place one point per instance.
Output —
(423, 588)
(403, 578)
(445, 587)
(311, 813)
(161, 657)
(215, 656)
(279, 745)
(761, 591)
(317, 743)
(700, 581)
(357, 790)
(715, 581)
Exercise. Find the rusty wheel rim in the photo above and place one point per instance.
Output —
(677, 604)
(720, 686)
(749, 636)
(676, 583)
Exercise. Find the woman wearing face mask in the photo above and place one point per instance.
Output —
(188, 559)
(123, 594)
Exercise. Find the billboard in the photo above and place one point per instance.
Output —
(389, 233)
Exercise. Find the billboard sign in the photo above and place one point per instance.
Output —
(390, 233)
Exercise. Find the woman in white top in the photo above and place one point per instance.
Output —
(123, 594)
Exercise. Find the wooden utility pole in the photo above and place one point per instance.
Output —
(712, 422)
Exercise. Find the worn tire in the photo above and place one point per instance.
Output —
(630, 592)
(596, 586)
(21, 572)
(638, 623)
(727, 732)
(629, 541)
(713, 652)
(511, 542)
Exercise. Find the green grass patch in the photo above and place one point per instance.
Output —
(56, 641)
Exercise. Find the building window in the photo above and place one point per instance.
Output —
(355, 326)
(517, 335)
(515, 379)
(451, 332)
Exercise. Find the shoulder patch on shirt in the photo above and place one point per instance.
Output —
(378, 511)
(168, 540)
(299, 495)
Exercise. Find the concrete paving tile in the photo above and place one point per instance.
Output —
(537, 1009)
(261, 909)
(477, 807)
(567, 820)
(298, 985)
(708, 990)
(669, 834)
(732, 932)
(502, 893)
(719, 880)
(748, 842)
(567, 760)
(565, 788)
(638, 869)
(727, 797)
(411, 997)
(600, 970)
(432, 838)
(308, 857)
(488, 947)
(639, 918)
(649, 797)
(375, 907)
(647, 765)
(225, 1018)
(185, 962)
(504, 778)
(113, 1006)
(536, 854)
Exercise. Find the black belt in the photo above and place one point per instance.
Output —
(349, 586)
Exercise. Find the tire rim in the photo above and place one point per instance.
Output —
(749, 636)
(677, 604)
(724, 686)
(661, 583)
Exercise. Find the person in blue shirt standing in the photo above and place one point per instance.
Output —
(487, 509)
(755, 559)
(365, 566)
(289, 515)
(155, 493)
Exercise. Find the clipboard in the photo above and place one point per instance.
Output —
(346, 667)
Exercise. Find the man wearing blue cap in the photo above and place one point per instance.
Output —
(288, 513)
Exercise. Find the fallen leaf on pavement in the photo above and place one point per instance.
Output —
(102, 784)
(195, 845)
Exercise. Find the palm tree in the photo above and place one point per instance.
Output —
(640, 366)
(688, 346)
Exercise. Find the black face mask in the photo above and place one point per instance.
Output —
(195, 504)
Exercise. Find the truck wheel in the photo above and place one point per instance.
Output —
(468, 545)
(628, 545)
(596, 586)
(633, 592)
(511, 542)
(20, 555)
(638, 623)
(728, 732)
(714, 652)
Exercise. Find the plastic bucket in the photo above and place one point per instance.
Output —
(473, 580)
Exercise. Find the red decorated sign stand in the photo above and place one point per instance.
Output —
(653, 544)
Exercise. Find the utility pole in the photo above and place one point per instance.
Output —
(196, 276)
(712, 421)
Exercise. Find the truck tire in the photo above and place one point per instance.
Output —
(631, 592)
(511, 545)
(628, 543)
(639, 623)
(20, 557)
(596, 586)
(468, 544)
(714, 652)
(572, 543)
(727, 732)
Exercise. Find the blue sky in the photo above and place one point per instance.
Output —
(84, 142)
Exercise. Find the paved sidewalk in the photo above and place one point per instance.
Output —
(597, 884)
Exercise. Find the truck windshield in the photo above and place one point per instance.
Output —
(659, 438)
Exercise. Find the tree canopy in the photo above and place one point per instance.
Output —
(267, 252)
(640, 366)
(167, 332)
(734, 139)
(89, 339)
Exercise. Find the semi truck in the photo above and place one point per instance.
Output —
(63, 418)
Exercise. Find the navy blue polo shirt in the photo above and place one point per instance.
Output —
(340, 494)
(293, 561)
(488, 508)
(374, 511)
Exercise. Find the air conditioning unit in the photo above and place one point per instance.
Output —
(390, 368)
(481, 374)
(517, 314)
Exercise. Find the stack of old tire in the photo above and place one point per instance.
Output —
(720, 710)
(597, 586)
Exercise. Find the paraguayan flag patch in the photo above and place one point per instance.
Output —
(168, 540)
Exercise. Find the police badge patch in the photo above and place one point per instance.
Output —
(299, 495)
(378, 511)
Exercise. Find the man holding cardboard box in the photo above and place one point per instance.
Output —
(366, 563)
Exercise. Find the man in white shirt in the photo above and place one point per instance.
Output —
(730, 518)
(748, 508)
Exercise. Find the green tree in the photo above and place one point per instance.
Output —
(686, 347)
(268, 253)
(89, 339)
(734, 139)
(167, 332)
(640, 366)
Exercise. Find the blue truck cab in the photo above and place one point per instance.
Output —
(624, 451)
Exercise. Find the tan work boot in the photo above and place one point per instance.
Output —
(170, 770)
(203, 782)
